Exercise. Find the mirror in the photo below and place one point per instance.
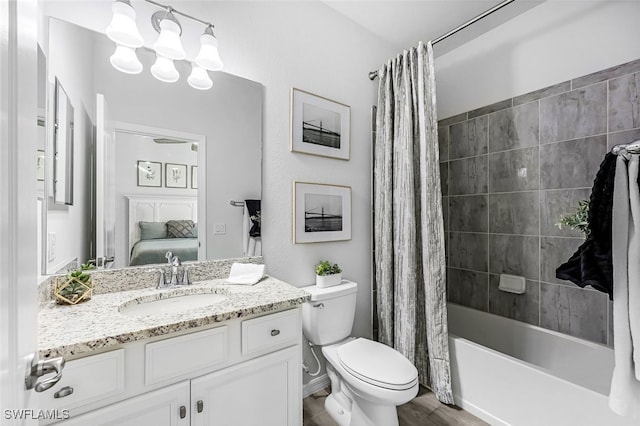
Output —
(145, 151)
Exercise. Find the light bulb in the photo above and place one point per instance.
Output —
(123, 29)
(164, 70)
(124, 59)
(199, 78)
(209, 57)
(168, 43)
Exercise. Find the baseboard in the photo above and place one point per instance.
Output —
(315, 384)
(478, 412)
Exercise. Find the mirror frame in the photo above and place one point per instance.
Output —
(62, 147)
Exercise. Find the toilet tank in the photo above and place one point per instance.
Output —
(328, 317)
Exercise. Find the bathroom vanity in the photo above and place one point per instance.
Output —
(137, 358)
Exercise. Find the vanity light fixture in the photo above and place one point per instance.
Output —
(209, 57)
(164, 69)
(124, 59)
(199, 78)
(123, 29)
(168, 47)
(168, 43)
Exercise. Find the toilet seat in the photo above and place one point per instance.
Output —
(377, 364)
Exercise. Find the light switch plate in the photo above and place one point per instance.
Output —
(219, 229)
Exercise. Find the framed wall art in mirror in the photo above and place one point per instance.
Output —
(319, 126)
(321, 212)
(175, 175)
(149, 173)
(62, 147)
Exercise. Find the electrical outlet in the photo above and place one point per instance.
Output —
(219, 229)
(51, 246)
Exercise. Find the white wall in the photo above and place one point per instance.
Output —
(129, 149)
(551, 43)
(72, 224)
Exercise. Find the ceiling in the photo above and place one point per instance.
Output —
(403, 23)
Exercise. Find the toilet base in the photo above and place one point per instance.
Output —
(348, 409)
(338, 413)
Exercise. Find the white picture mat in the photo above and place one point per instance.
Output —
(298, 99)
(299, 191)
(155, 167)
(170, 178)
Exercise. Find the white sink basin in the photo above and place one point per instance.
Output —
(178, 303)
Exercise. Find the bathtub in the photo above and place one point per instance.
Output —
(511, 373)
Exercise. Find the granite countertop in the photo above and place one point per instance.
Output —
(70, 331)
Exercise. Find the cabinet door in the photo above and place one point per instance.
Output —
(158, 408)
(266, 391)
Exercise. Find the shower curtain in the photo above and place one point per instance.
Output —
(408, 225)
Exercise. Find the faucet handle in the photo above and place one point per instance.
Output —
(162, 280)
(186, 278)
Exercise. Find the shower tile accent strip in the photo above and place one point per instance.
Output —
(510, 171)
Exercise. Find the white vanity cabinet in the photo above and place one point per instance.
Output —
(261, 392)
(239, 372)
(163, 407)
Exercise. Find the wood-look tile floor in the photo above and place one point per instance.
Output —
(423, 410)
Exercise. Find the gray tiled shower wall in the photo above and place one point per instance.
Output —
(509, 171)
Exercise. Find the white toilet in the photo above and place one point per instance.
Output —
(368, 379)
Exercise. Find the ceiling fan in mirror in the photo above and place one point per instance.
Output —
(168, 47)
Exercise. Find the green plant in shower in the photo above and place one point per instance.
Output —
(326, 268)
(578, 220)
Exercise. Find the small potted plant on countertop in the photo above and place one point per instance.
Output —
(328, 275)
(75, 287)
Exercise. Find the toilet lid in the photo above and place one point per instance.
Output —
(377, 364)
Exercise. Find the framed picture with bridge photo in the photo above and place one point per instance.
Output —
(321, 212)
(319, 126)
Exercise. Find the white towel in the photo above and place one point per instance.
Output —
(246, 273)
(634, 261)
(624, 398)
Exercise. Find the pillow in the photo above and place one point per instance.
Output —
(152, 230)
(180, 229)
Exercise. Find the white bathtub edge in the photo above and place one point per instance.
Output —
(478, 412)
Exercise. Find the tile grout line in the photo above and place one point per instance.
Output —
(488, 258)
(539, 215)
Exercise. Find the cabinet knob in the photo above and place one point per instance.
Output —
(275, 332)
(183, 411)
(65, 391)
(199, 406)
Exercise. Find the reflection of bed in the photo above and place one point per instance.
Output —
(153, 251)
(151, 247)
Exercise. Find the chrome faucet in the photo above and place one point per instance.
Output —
(175, 263)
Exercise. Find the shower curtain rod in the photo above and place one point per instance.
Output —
(374, 74)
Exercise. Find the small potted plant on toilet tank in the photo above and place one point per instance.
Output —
(327, 274)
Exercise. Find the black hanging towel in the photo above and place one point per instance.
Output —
(592, 264)
(253, 206)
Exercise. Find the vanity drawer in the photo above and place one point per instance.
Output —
(177, 356)
(87, 380)
(270, 331)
